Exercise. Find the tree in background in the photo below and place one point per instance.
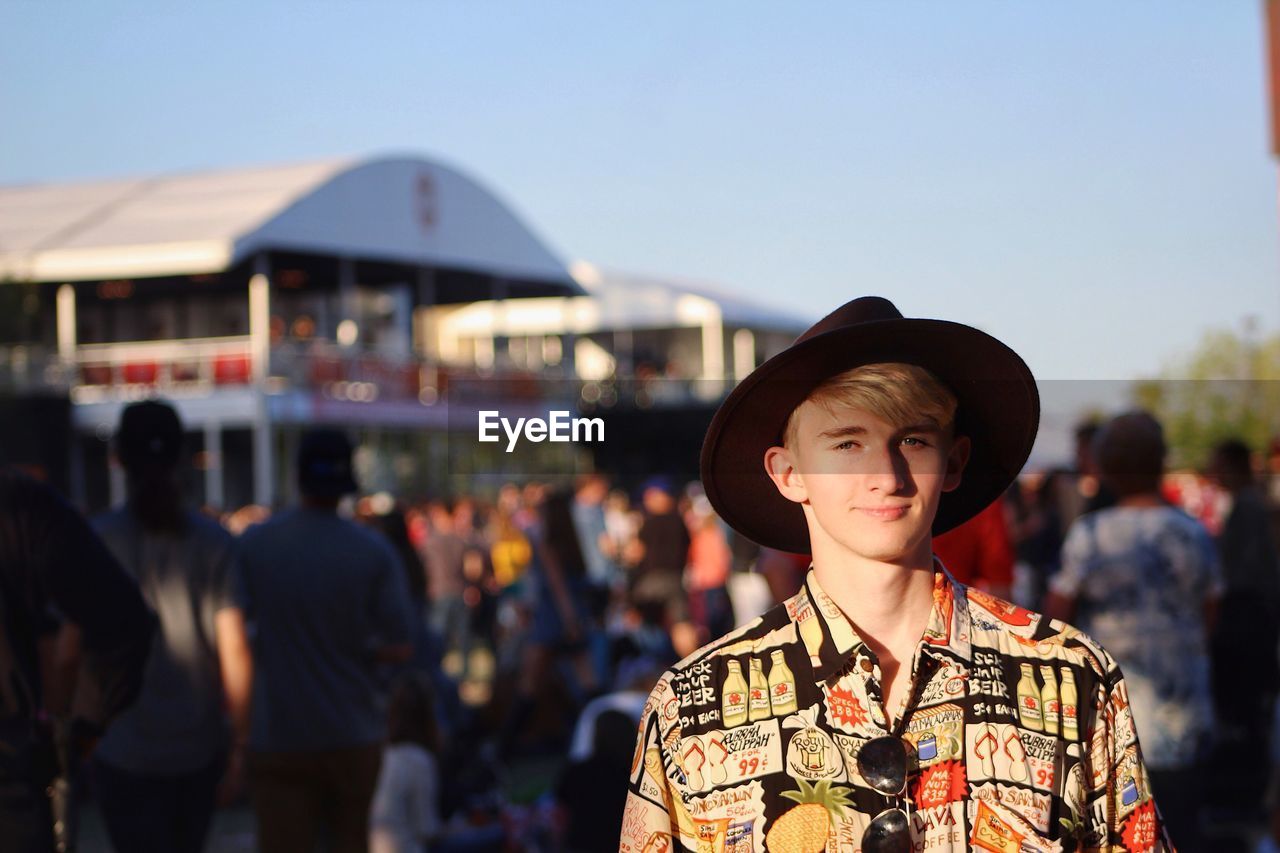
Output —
(1227, 387)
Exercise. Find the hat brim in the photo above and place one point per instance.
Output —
(999, 410)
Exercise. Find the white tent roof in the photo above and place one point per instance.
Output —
(406, 209)
(617, 301)
(627, 300)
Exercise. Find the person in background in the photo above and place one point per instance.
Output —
(157, 769)
(1246, 670)
(405, 815)
(1142, 579)
(592, 792)
(445, 556)
(65, 604)
(561, 618)
(328, 605)
(1250, 564)
(381, 513)
(1081, 490)
(1038, 533)
(620, 522)
(708, 573)
(510, 552)
(979, 553)
(593, 538)
(660, 553)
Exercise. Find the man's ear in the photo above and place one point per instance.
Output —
(957, 458)
(780, 465)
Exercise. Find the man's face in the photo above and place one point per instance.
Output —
(867, 488)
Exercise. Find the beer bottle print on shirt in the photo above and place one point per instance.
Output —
(733, 694)
(758, 692)
(1068, 704)
(782, 686)
(1030, 706)
(1049, 699)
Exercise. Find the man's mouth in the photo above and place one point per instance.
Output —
(884, 513)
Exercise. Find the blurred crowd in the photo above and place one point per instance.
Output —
(466, 672)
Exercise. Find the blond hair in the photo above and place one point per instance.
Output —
(899, 394)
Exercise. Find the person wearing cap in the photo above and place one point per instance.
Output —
(884, 706)
(328, 604)
(157, 769)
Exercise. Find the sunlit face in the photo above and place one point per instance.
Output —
(868, 489)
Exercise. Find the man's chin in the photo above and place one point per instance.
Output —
(893, 550)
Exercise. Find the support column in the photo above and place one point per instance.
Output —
(425, 333)
(713, 344)
(347, 303)
(260, 343)
(66, 311)
(744, 353)
(213, 464)
(568, 338)
(501, 333)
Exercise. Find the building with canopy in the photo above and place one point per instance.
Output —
(259, 301)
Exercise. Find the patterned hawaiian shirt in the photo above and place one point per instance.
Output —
(1020, 726)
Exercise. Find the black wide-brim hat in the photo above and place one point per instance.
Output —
(999, 410)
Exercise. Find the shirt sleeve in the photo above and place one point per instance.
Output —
(1076, 554)
(654, 812)
(1120, 809)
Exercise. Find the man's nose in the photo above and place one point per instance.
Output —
(887, 471)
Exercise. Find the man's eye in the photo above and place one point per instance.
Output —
(844, 445)
(912, 441)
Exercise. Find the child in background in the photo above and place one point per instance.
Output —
(405, 815)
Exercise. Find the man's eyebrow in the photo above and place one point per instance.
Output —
(925, 426)
(843, 431)
(849, 430)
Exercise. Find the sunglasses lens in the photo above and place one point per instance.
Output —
(887, 834)
(882, 762)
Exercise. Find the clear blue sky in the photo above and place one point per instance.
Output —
(1089, 181)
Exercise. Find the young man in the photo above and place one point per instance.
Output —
(884, 707)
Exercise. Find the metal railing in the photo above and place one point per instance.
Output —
(203, 366)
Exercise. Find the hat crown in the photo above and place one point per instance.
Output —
(864, 309)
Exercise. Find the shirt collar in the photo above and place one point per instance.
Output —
(833, 640)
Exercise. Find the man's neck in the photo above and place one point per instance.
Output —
(1142, 500)
(888, 603)
(319, 503)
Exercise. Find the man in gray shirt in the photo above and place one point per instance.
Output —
(327, 602)
(158, 766)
